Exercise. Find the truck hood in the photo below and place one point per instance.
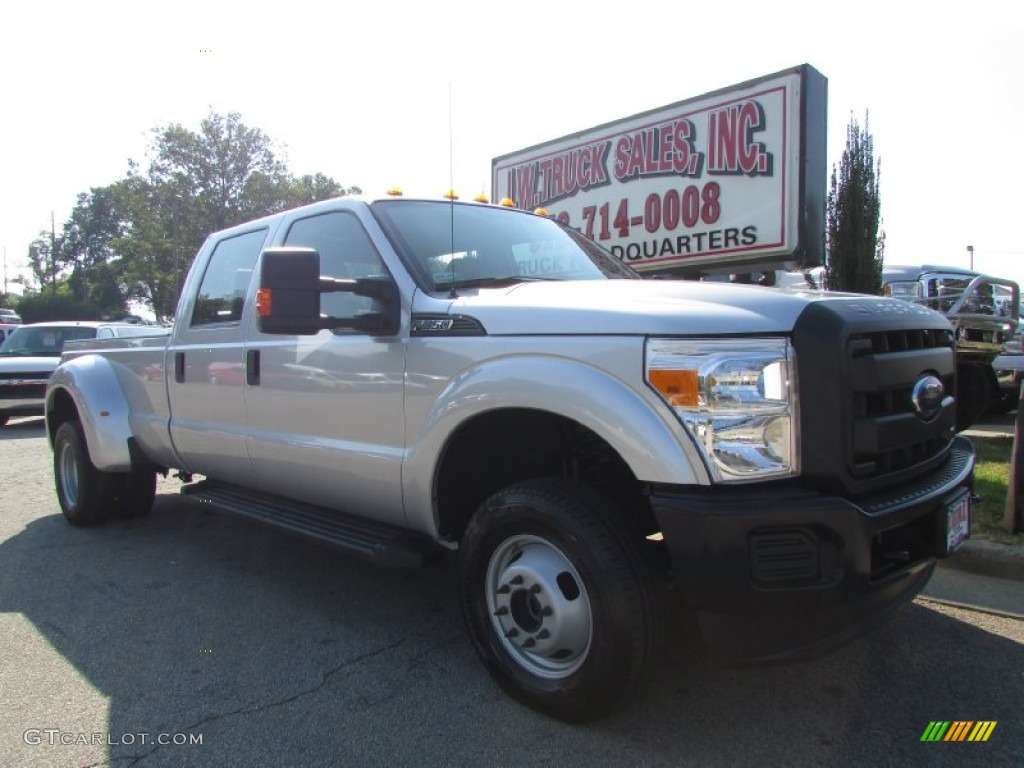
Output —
(634, 307)
(14, 364)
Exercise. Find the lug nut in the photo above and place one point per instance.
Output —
(543, 635)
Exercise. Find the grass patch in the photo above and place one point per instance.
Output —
(991, 480)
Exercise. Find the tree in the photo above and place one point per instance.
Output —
(855, 247)
(88, 249)
(227, 173)
(54, 304)
(136, 238)
(44, 259)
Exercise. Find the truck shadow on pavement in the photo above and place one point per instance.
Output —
(278, 651)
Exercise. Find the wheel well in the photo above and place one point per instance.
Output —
(499, 448)
(61, 409)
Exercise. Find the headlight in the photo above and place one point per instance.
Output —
(908, 291)
(737, 397)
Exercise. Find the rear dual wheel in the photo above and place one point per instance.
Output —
(559, 603)
(88, 495)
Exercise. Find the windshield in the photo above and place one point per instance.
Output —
(43, 342)
(463, 245)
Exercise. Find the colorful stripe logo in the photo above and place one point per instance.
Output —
(958, 730)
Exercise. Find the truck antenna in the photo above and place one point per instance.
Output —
(451, 189)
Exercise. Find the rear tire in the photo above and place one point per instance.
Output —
(136, 491)
(85, 493)
(558, 601)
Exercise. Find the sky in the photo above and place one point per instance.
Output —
(424, 95)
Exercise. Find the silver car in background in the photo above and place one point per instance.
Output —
(30, 353)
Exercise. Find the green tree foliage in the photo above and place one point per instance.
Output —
(44, 261)
(135, 239)
(59, 304)
(855, 246)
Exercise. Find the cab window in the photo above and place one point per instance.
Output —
(226, 281)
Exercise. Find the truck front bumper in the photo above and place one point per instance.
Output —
(784, 572)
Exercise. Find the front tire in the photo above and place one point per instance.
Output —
(558, 601)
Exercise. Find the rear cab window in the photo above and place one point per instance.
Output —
(225, 285)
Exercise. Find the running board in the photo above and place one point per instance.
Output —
(382, 544)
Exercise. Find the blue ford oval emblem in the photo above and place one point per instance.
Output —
(927, 395)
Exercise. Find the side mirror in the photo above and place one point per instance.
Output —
(288, 299)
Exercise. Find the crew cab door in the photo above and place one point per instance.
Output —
(326, 410)
(205, 363)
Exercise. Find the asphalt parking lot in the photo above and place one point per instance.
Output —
(274, 651)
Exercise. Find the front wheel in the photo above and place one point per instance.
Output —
(557, 598)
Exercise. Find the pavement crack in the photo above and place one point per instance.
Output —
(415, 661)
(247, 709)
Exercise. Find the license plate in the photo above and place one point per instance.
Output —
(958, 521)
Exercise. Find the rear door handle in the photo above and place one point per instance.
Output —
(252, 367)
(179, 367)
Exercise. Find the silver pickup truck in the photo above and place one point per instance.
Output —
(406, 378)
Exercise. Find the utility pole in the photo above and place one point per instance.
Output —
(53, 255)
(970, 255)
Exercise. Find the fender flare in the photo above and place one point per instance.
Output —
(102, 408)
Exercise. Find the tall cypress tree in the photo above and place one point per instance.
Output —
(855, 246)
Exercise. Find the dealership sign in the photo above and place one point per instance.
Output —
(727, 181)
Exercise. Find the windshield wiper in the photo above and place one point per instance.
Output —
(480, 282)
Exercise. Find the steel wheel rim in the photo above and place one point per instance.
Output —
(539, 607)
(69, 474)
